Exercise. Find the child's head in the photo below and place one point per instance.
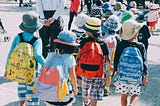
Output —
(80, 20)
(107, 9)
(98, 2)
(30, 23)
(112, 2)
(126, 16)
(130, 30)
(66, 42)
(112, 25)
(133, 4)
(118, 6)
(93, 27)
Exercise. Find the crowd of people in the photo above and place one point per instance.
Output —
(111, 39)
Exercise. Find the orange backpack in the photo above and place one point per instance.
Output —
(90, 61)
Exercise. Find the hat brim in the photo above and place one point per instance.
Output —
(70, 44)
(128, 37)
(31, 30)
(92, 31)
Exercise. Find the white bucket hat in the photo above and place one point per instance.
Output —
(81, 19)
(129, 29)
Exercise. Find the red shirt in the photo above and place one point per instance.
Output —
(75, 5)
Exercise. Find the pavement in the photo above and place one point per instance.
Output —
(10, 15)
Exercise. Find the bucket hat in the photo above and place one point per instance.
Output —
(126, 16)
(113, 23)
(112, 2)
(107, 9)
(80, 19)
(67, 37)
(93, 25)
(129, 29)
(30, 23)
(133, 4)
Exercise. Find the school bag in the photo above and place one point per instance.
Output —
(21, 65)
(129, 70)
(52, 86)
(112, 43)
(90, 60)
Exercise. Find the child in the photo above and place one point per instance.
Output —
(80, 33)
(79, 22)
(152, 17)
(133, 7)
(112, 26)
(97, 10)
(107, 11)
(29, 25)
(135, 71)
(65, 44)
(74, 10)
(144, 33)
(92, 78)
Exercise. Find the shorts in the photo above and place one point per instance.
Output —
(152, 24)
(127, 89)
(25, 93)
(93, 88)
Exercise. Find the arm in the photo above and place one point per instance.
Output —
(39, 7)
(38, 51)
(73, 79)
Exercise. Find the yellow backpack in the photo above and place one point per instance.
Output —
(21, 65)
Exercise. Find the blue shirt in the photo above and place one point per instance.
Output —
(37, 47)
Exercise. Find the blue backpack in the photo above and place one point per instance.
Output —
(129, 70)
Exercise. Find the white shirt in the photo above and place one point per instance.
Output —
(49, 5)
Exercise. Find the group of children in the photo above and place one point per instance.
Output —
(102, 40)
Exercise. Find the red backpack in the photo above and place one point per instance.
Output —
(90, 61)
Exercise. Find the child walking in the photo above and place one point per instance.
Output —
(29, 25)
(90, 62)
(65, 45)
(131, 72)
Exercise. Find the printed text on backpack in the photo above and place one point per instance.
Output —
(130, 66)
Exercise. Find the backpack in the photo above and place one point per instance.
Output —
(90, 60)
(52, 86)
(129, 70)
(21, 65)
(112, 43)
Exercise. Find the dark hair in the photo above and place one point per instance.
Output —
(65, 48)
(99, 2)
(96, 36)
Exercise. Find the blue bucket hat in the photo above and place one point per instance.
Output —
(67, 37)
(112, 24)
(107, 9)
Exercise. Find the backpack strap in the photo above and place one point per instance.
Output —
(30, 42)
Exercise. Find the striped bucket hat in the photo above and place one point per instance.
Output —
(93, 25)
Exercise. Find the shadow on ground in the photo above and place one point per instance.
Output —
(149, 94)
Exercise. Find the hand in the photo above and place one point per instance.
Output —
(51, 20)
(75, 91)
(110, 68)
(144, 81)
(46, 22)
(5, 74)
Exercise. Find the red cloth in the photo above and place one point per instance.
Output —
(75, 5)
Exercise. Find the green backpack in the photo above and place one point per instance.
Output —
(21, 65)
